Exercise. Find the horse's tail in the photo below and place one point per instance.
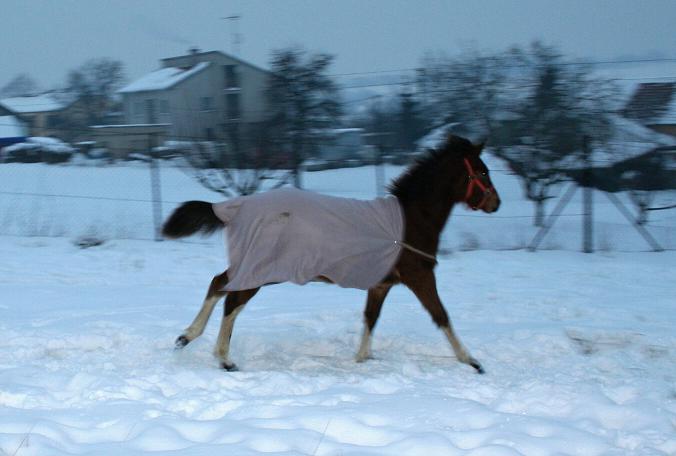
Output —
(191, 217)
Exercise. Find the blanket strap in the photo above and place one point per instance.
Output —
(419, 252)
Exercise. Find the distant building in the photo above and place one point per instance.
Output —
(653, 104)
(121, 140)
(201, 96)
(343, 144)
(45, 114)
(12, 130)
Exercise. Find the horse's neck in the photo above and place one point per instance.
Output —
(425, 219)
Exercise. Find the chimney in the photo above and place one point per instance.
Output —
(193, 51)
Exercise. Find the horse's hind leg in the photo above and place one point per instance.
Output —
(374, 302)
(424, 287)
(196, 328)
(234, 304)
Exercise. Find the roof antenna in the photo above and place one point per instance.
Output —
(235, 36)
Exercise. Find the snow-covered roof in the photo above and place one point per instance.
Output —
(11, 127)
(627, 77)
(339, 131)
(38, 103)
(163, 78)
(631, 131)
(669, 115)
(205, 53)
(629, 139)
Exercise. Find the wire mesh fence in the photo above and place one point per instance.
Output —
(95, 200)
(122, 200)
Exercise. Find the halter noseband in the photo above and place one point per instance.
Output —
(475, 179)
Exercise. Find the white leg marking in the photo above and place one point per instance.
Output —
(223, 343)
(460, 351)
(196, 328)
(365, 347)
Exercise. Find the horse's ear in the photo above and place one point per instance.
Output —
(479, 147)
(451, 138)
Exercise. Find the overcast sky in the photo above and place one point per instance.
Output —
(46, 38)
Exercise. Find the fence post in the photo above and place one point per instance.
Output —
(378, 141)
(155, 188)
(587, 200)
(380, 170)
(549, 222)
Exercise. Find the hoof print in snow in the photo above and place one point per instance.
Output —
(181, 342)
(86, 242)
(230, 367)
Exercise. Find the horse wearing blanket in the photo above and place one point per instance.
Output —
(290, 235)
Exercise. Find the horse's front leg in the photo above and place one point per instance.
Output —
(196, 328)
(423, 284)
(374, 302)
(234, 304)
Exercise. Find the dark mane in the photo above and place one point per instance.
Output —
(417, 178)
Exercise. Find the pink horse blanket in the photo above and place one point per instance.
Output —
(291, 235)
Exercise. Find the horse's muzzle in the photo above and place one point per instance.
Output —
(492, 204)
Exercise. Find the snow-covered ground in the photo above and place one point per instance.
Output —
(580, 349)
(580, 353)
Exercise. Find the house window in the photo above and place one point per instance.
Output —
(232, 134)
(232, 106)
(206, 104)
(53, 121)
(231, 77)
(151, 111)
(138, 110)
(164, 107)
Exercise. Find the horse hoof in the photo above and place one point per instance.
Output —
(230, 367)
(476, 365)
(181, 342)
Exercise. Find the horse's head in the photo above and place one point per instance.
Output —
(452, 173)
(476, 188)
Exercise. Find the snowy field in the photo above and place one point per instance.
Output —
(579, 349)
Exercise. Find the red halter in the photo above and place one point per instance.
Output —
(475, 179)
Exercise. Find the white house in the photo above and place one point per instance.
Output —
(201, 95)
(12, 130)
(43, 113)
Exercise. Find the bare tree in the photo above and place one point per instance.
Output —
(232, 174)
(380, 115)
(410, 124)
(93, 84)
(562, 103)
(226, 168)
(303, 100)
(468, 88)
(21, 85)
